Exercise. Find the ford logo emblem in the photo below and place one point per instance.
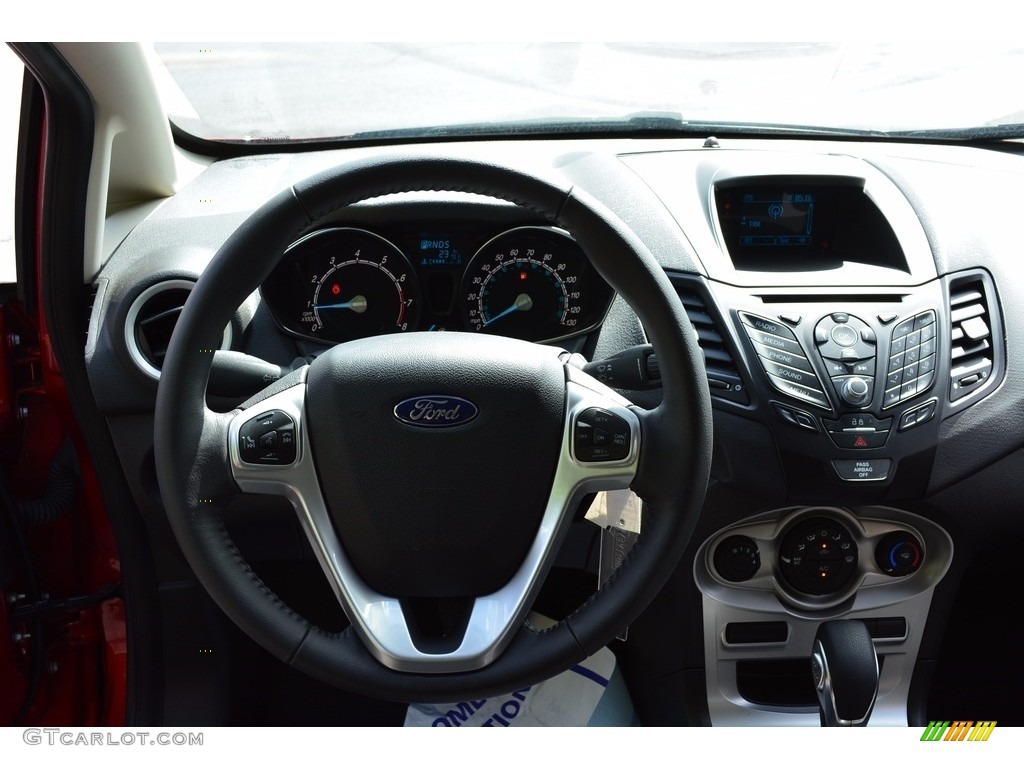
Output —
(435, 411)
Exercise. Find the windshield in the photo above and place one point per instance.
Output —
(296, 92)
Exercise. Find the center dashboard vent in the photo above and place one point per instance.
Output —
(723, 375)
(975, 351)
(151, 321)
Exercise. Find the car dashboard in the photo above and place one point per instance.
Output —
(860, 317)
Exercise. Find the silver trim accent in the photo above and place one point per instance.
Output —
(494, 618)
(133, 314)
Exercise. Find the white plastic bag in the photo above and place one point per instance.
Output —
(568, 699)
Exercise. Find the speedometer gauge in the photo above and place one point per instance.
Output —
(533, 283)
(343, 284)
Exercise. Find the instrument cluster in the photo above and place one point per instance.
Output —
(343, 283)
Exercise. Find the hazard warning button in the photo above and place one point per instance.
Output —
(860, 440)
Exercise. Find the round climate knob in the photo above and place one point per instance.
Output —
(899, 553)
(737, 559)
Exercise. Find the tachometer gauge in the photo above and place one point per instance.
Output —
(533, 283)
(353, 284)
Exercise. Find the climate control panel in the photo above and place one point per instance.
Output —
(815, 558)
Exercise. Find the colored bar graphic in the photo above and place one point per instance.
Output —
(982, 730)
(935, 730)
(958, 730)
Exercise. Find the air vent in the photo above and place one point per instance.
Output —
(972, 340)
(151, 320)
(723, 375)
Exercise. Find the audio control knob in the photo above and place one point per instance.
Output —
(855, 390)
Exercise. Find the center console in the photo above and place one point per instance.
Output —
(769, 582)
(834, 350)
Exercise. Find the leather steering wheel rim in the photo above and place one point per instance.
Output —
(192, 453)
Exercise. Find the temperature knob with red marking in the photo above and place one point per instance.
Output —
(899, 553)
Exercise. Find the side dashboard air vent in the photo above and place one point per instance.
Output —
(151, 320)
(723, 375)
(974, 339)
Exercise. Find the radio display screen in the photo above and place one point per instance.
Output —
(779, 220)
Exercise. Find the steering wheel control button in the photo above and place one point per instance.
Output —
(267, 439)
(600, 435)
(862, 470)
(899, 554)
(818, 557)
(737, 559)
(911, 365)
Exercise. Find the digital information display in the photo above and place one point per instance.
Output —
(437, 251)
(776, 220)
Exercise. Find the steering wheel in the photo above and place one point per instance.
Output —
(436, 563)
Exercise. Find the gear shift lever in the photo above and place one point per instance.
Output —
(845, 672)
